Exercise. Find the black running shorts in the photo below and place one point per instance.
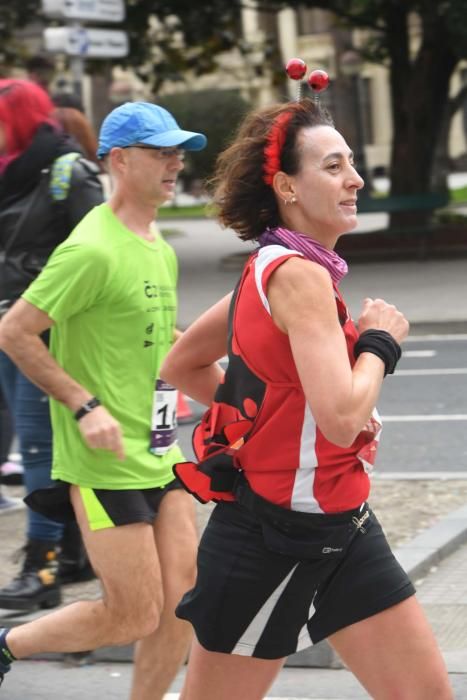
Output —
(268, 589)
(104, 507)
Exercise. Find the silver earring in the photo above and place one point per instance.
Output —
(293, 199)
(286, 201)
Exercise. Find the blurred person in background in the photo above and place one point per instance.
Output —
(63, 98)
(40, 70)
(69, 115)
(77, 126)
(10, 472)
(46, 187)
(69, 112)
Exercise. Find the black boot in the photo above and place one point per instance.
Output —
(73, 562)
(6, 657)
(36, 586)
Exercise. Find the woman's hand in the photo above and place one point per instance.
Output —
(376, 313)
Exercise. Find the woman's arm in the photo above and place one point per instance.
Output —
(303, 305)
(191, 365)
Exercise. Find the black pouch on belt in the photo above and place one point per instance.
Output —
(303, 535)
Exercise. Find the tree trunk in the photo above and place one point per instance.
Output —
(442, 164)
(417, 113)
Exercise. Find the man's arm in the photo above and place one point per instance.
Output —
(20, 329)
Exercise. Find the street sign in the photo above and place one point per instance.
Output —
(93, 10)
(87, 43)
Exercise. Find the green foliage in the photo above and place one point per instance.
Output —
(456, 13)
(446, 216)
(167, 37)
(170, 37)
(215, 113)
(195, 211)
(459, 195)
(177, 39)
(13, 16)
(380, 16)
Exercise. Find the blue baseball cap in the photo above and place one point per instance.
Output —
(144, 122)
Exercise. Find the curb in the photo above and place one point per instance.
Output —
(434, 544)
(451, 326)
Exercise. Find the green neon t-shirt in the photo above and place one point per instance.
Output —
(112, 296)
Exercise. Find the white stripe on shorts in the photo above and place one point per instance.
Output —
(304, 639)
(250, 638)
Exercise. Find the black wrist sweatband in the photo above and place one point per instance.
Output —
(87, 407)
(382, 344)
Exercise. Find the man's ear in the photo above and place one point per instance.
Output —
(116, 159)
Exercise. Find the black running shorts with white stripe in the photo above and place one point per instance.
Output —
(252, 599)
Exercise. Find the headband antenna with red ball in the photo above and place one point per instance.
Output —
(318, 80)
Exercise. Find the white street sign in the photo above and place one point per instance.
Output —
(94, 10)
(88, 43)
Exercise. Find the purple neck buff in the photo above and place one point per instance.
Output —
(311, 249)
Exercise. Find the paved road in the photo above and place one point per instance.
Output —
(424, 408)
(44, 680)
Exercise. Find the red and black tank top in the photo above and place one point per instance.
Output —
(260, 413)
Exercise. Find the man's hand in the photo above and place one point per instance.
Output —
(376, 313)
(100, 430)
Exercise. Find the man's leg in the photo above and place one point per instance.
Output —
(126, 562)
(159, 656)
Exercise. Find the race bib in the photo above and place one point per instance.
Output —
(164, 418)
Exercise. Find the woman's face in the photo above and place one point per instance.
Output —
(325, 187)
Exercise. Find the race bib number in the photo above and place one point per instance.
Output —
(164, 418)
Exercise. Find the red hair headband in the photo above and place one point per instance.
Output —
(318, 82)
(274, 145)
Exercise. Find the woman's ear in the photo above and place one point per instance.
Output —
(283, 187)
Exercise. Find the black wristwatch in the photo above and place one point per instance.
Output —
(87, 407)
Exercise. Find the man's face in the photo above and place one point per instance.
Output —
(152, 172)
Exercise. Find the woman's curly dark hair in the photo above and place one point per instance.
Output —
(241, 199)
